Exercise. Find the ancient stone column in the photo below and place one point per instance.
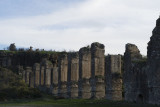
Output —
(73, 75)
(98, 61)
(55, 80)
(42, 75)
(27, 71)
(62, 75)
(31, 79)
(36, 69)
(47, 76)
(113, 77)
(85, 73)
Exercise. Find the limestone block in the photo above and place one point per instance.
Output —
(86, 89)
(63, 90)
(74, 90)
(99, 88)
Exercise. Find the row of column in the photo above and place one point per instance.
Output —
(80, 74)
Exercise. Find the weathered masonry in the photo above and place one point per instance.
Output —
(113, 77)
(88, 73)
(97, 70)
(79, 75)
(84, 73)
(141, 75)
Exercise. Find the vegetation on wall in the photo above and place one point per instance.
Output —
(12, 87)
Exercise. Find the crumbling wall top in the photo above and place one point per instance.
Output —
(73, 55)
(132, 48)
(85, 50)
(96, 45)
(46, 63)
(63, 56)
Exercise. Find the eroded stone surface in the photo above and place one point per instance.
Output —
(31, 79)
(55, 81)
(135, 83)
(154, 65)
(27, 71)
(62, 78)
(73, 74)
(36, 69)
(98, 61)
(42, 75)
(113, 77)
(85, 73)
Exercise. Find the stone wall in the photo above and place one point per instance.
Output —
(153, 72)
(113, 77)
(5, 59)
(135, 79)
(78, 75)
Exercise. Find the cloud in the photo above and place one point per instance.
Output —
(111, 22)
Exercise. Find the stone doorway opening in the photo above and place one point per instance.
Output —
(140, 98)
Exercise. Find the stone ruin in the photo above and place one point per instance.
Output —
(141, 75)
(97, 70)
(134, 78)
(113, 77)
(84, 73)
(90, 74)
(63, 76)
(80, 74)
(153, 71)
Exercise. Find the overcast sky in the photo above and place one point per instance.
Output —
(72, 24)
